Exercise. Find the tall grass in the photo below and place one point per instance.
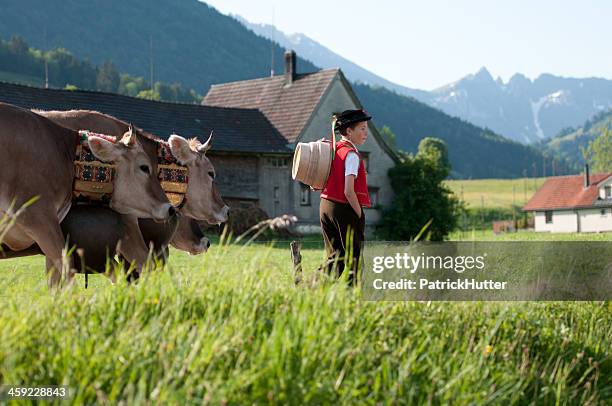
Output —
(231, 327)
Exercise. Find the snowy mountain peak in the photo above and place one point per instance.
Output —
(519, 78)
(483, 75)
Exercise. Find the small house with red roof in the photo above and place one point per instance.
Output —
(573, 204)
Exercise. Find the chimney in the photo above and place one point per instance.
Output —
(587, 180)
(289, 66)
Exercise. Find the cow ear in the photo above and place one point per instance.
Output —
(181, 150)
(104, 150)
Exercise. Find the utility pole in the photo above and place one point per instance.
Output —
(46, 63)
(525, 185)
(513, 206)
(524, 197)
(46, 73)
(482, 209)
(151, 60)
(463, 228)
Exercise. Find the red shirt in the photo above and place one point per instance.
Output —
(334, 188)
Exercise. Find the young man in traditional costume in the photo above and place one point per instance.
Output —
(344, 196)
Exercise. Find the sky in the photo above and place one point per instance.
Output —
(429, 43)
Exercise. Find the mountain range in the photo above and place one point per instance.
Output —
(191, 43)
(522, 109)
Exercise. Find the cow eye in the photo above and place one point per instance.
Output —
(145, 169)
(211, 174)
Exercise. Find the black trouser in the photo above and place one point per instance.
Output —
(336, 221)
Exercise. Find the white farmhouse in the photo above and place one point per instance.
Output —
(573, 204)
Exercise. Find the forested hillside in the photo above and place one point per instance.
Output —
(19, 63)
(192, 43)
(192, 46)
(569, 142)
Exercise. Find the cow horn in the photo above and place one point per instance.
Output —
(207, 145)
(129, 138)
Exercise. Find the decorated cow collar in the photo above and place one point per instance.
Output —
(173, 177)
(93, 179)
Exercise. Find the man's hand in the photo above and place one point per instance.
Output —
(351, 196)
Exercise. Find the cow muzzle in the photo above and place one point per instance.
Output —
(165, 213)
(201, 247)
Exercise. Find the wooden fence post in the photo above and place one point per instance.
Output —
(296, 258)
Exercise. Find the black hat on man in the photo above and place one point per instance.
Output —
(348, 117)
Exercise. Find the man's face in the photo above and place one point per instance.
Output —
(358, 134)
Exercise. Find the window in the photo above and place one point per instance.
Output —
(304, 195)
(548, 216)
(373, 191)
(608, 191)
(278, 162)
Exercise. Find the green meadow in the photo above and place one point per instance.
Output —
(231, 327)
(495, 193)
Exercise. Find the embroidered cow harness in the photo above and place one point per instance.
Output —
(93, 180)
(172, 176)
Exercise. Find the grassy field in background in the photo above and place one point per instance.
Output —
(527, 235)
(230, 327)
(495, 193)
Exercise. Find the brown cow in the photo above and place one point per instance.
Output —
(36, 159)
(203, 199)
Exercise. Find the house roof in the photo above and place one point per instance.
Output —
(287, 107)
(236, 129)
(567, 192)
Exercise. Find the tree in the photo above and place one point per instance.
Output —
(165, 92)
(149, 95)
(389, 137)
(599, 152)
(420, 196)
(435, 150)
(131, 86)
(67, 71)
(108, 78)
